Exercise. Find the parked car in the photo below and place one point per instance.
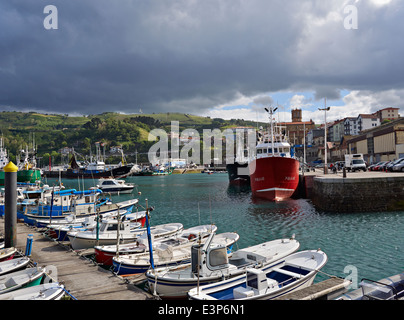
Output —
(383, 166)
(372, 166)
(393, 163)
(399, 166)
(377, 165)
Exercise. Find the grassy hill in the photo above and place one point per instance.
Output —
(51, 132)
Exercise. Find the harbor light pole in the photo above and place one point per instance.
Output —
(325, 135)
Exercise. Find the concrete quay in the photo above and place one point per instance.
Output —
(370, 191)
(82, 278)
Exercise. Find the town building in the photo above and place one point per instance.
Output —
(297, 129)
(367, 121)
(388, 114)
(381, 143)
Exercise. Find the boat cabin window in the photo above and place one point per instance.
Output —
(114, 227)
(252, 280)
(108, 182)
(217, 258)
(259, 151)
(87, 199)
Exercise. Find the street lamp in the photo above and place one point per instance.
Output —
(325, 136)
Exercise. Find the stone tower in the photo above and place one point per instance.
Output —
(297, 115)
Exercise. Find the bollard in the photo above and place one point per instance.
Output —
(10, 205)
(28, 247)
(344, 172)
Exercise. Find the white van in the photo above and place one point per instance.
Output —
(354, 162)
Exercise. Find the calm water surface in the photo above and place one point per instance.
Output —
(373, 243)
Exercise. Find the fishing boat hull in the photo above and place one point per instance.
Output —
(274, 178)
(28, 175)
(236, 177)
(119, 172)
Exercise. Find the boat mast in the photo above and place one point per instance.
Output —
(271, 112)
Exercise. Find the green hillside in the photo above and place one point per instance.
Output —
(51, 132)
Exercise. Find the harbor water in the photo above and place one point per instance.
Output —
(358, 245)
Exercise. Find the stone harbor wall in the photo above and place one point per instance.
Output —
(358, 194)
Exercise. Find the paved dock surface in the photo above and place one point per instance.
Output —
(319, 173)
(81, 277)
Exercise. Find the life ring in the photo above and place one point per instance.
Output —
(191, 236)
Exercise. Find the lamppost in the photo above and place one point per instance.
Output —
(325, 136)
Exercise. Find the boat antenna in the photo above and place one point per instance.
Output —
(271, 111)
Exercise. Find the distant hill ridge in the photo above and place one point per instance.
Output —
(52, 132)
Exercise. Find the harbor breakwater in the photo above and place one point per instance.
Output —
(358, 192)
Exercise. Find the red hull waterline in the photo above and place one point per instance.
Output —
(274, 178)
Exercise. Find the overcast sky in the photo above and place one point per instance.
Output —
(218, 58)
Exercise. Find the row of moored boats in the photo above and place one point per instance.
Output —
(196, 263)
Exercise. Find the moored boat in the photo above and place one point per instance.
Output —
(7, 253)
(46, 291)
(238, 174)
(106, 235)
(274, 173)
(104, 254)
(175, 282)
(390, 288)
(296, 271)
(84, 210)
(165, 255)
(21, 279)
(112, 185)
(13, 265)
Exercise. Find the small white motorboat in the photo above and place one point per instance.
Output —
(7, 253)
(112, 185)
(20, 279)
(107, 234)
(104, 254)
(13, 265)
(165, 255)
(390, 288)
(46, 291)
(296, 271)
(175, 282)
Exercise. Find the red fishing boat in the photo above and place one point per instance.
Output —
(274, 173)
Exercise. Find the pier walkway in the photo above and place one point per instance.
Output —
(81, 277)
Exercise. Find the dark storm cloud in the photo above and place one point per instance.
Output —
(190, 55)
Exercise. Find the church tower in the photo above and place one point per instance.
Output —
(297, 115)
